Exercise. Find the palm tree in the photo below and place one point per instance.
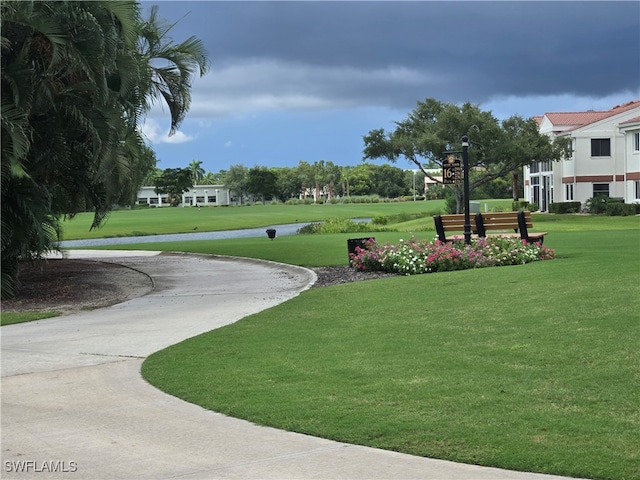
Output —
(197, 172)
(77, 77)
(171, 82)
(60, 120)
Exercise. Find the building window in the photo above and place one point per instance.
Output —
(211, 199)
(636, 142)
(535, 167)
(569, 192)
(600, 189)
(600, 147)
(637, 189)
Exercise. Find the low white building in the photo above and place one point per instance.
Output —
(605, 157)
(197, 196)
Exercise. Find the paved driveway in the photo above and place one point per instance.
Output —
(75, 406)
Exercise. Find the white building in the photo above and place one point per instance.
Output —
(605, 157)
(198, 195)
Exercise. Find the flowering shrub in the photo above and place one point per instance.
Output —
(411, 257)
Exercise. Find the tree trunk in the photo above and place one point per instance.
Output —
(459, 194)
(514, 187)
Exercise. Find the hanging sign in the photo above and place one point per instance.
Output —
(451, 170)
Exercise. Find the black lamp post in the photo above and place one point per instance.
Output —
(465, 170)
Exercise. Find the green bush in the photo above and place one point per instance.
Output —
(335, 225)
(450, 204)
(597, 204)
(613, 207)
(519, 205)
(564, 207)
(340, 225)
(621, 209)
(533, 207)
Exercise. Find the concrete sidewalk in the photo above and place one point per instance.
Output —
(75, 406)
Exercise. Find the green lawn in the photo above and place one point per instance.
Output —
(149, 221)
(9, 318)
(532, 367)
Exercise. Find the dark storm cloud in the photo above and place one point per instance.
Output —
(454, 51)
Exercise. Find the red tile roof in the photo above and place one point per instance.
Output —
(631, 120)
(579, 119)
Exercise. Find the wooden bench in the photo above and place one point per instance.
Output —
(447, 224)
(503, 224)
(510, 224)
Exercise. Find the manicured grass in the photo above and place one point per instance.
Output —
(531, 367)
(149, 221)
(331, 249)
(9, 318)
(304, 250)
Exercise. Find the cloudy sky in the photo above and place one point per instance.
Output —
(303, 80)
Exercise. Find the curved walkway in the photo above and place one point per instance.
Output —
(75, 406)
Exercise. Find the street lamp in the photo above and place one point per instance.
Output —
(465, 170)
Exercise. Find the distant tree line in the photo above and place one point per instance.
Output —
(320, 181)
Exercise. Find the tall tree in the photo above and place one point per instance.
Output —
(390, 181)
(211, 178)
(306, 175)
(77, 77)
(197, 172)
(434, 128)
(236, 180)
(173, 182)
(169, 68)
(288, 184)
(262, 182)
(333, 176)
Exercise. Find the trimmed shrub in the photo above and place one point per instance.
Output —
(620, 209)
(602, 204)
(564, 207)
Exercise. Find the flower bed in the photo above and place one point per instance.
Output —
(414, 256)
